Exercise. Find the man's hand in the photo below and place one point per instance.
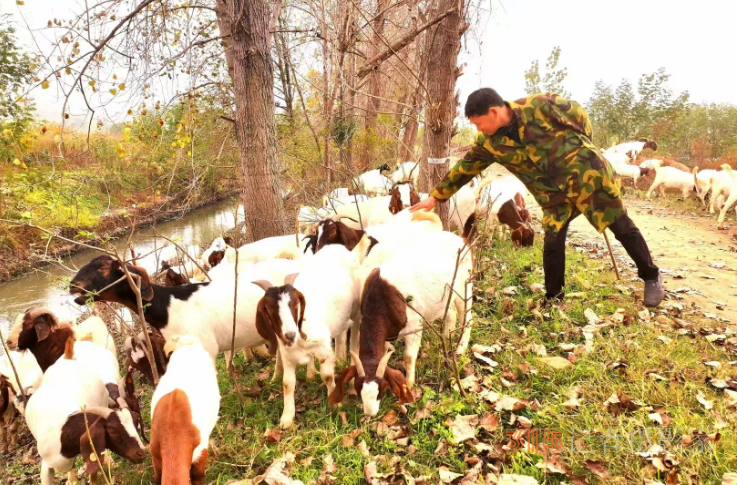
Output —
(427, 204)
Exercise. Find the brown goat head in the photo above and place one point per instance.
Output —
(100, 273)
(269, 322)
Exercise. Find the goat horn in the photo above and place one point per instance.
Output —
(265, 285)
(346, 217)
(384, 361)
(358, 364)
(289, 279)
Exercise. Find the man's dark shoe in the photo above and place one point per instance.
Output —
(654, 292)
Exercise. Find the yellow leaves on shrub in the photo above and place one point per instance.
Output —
(91, 82)
(113, 91)
(127, 133)
(45, 84)
(68, 71)
(121, 86)
(99, 123)
(121, 150)
(8, 133)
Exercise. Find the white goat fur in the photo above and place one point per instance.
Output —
(95, 330)
(68, 386)
(373, 183)
(191, 370)
(284, 247)
(332, 294)
(403, 171)
(732, 199)
(634, 147)
(672, 178)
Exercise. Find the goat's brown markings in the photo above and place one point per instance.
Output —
(43, 336)
(173, 440)
(268, 323)
(142, 365)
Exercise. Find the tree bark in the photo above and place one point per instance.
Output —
(253, 82)
(442, 44)
(373, 103)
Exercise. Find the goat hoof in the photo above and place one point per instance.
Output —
(286, 423)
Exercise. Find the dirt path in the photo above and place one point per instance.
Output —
(699, 262)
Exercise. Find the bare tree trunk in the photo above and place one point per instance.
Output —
(373, 104)
(225, 24)
(442, 44)
(253, 82)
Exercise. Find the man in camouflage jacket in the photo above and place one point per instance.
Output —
(545, 141)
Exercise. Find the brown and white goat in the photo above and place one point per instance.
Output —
(420, 271)
(185, 409)
(40, 332)
(71, 400)
(137, 354)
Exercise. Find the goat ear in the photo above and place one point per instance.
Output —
(336, 397)
(302, 304)
(264, 328)
(396, 381)
(348, 236)
(414, 197)
(43, 324)
(147, 291)
(95, 436)
(395, 204)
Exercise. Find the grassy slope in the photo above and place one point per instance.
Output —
(241, 450)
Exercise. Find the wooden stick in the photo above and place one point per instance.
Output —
(614, 263)
(12, 365)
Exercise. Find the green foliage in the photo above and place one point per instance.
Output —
(552, 81)
(14, 71)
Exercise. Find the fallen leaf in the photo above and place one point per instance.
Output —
(464, 427)
(596, 468)
(390, 418)
(573, 394)
(536, 288)
(275, 474)
(731, 398)
(363, 448)
(509, 479)
(489, 421)
(556, 362)
(346, 441)
(447, 476)
(328, 467)
(485, 360)
(486, 349)
(729, 479)
(510, 290)
(272, 435)
(713, 363)
(705, 402)
(554, 464)
(591, 317)
(508, 403)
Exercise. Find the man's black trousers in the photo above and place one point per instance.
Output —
(554, 253)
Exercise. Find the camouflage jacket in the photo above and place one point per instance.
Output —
(553, 156)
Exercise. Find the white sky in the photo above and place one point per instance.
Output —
(600, 39)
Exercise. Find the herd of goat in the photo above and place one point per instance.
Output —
(348, 275)
(372, 272)
(719, 185)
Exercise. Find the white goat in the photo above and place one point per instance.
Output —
(732, 199)
(672, 178)
(307, 312)
(54, 416)
(703, 181)
(184, 410)
(406, 171)
(373, 182)
(632, 148)
(721, 188)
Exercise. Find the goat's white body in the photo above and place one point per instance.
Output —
(721, 188)
(732, 199)
(372, 212)
(495, 194)
(208, 313)
(634, 147)
(332, 293)
(95, 330)
(423, 271)
(624, 169)
(191, 370)
(672, 178)
(373, 183)
(29, 372)
(67, 387)
(403, 171)
(102, 362)
(651, 163)
(462, 205)
(270, 248)
(703, 183)
(309, 217)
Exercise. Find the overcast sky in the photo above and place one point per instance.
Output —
(602, 39)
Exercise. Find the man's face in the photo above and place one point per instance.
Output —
(488, 123)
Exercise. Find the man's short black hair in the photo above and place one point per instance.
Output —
(479, 102)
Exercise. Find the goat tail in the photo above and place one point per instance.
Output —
(69, 349)
(469, 228)
(728, 168)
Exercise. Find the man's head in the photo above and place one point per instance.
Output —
(486, 109)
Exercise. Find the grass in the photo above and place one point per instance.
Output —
(241, 450)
